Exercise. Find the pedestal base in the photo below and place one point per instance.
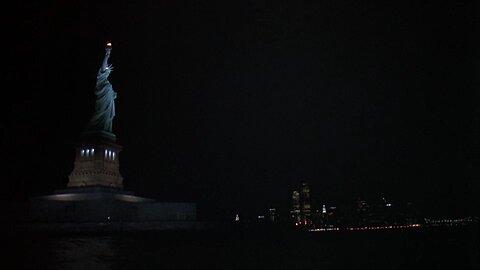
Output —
(100, 204)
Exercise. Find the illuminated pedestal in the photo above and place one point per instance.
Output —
(97, 162)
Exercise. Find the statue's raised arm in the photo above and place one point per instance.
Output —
(108, 49)
(105, 98)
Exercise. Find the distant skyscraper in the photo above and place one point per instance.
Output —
(296, 207)
(301, 212)
(272, 215)
(305, 207)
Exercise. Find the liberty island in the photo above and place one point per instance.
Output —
(94, 194)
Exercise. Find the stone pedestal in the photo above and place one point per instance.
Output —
(97, 162)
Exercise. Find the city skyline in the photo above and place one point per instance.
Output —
(304, 210)
(233, 106)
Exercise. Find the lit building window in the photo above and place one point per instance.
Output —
(88, 152)
(92, 151)
(113, 155)
(82, 152)
(106, 153)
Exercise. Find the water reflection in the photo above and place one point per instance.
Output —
(84, 253)
(243, 250)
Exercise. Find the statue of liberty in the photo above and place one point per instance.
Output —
(105, 96)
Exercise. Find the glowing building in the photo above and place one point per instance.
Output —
(301, 207)
(305, 206)
(296, 207)
(272, 215)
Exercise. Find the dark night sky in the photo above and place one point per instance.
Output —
(231, 106)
